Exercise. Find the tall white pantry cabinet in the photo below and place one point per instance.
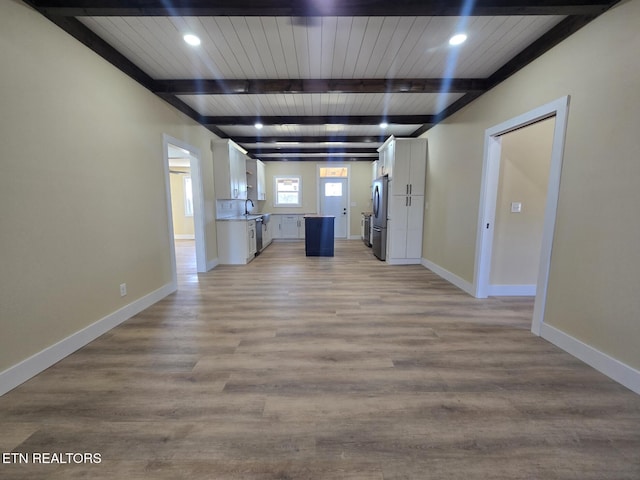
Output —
(405, 161)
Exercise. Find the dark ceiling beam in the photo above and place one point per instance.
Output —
(309, 139)
(80, 32)
(310, 8)
(84, 35)
(318, 120)
(371, 85)
(450, 110)
(323, 159)
(296, 150)
(550, 39)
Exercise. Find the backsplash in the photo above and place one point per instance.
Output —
(233, 208)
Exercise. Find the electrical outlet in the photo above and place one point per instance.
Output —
(123, 289)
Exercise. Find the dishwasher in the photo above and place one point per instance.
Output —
(258, 235)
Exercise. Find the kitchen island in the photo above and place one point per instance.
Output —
(319, 236)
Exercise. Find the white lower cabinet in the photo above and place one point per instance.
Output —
(251, 239)
(287, 226)
(231, 249)
(267, 233)
(405, 229)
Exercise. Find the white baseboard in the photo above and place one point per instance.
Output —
(459, 282)
(404, 261)
(184, 237)
(30, 367)
(614, 369)
(512, 290)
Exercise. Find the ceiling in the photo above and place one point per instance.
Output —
(319, 75)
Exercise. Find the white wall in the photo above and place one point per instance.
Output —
(83, 206)
(595, 264)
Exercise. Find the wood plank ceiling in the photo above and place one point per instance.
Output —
(319, 75)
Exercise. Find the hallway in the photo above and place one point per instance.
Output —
(294, 367)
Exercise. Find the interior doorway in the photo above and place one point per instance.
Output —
(182, 162)
(333, 193)
(182, 213)
(489, 193)
(525, 158)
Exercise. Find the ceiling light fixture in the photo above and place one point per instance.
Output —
(191, 40)
(457, 39)
(258, 125)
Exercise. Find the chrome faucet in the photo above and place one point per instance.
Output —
(246, 211)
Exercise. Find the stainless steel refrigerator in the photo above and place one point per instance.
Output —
(379, 217)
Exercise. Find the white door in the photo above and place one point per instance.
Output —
(334, 201)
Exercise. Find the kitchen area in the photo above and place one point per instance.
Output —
(244, 221)
(249, 218)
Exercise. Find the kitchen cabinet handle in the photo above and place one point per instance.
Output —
(411, 189)
(406, 201)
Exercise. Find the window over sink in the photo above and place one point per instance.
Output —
(288, 191)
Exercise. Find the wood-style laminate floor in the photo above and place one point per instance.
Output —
(323, 368)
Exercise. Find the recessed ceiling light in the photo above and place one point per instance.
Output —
(384, 124)
(258, 125)
(191, 40)
(458, 39)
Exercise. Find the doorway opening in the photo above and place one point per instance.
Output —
(558, 110)
(333, 196)
(525, 157)
(183, 183)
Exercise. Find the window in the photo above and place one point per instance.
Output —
(332, 189)
(288, 191)
(334, 172)
(188, 197)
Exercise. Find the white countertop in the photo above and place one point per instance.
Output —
(240, 218)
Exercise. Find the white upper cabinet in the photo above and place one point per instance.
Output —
(386, 158)
(229, 169)
(409, 166)
(256, 180)
(262, 180)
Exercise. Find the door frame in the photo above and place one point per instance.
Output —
(319, 193)
(198, 203)
(489, 192)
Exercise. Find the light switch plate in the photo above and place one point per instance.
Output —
(516, 207)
